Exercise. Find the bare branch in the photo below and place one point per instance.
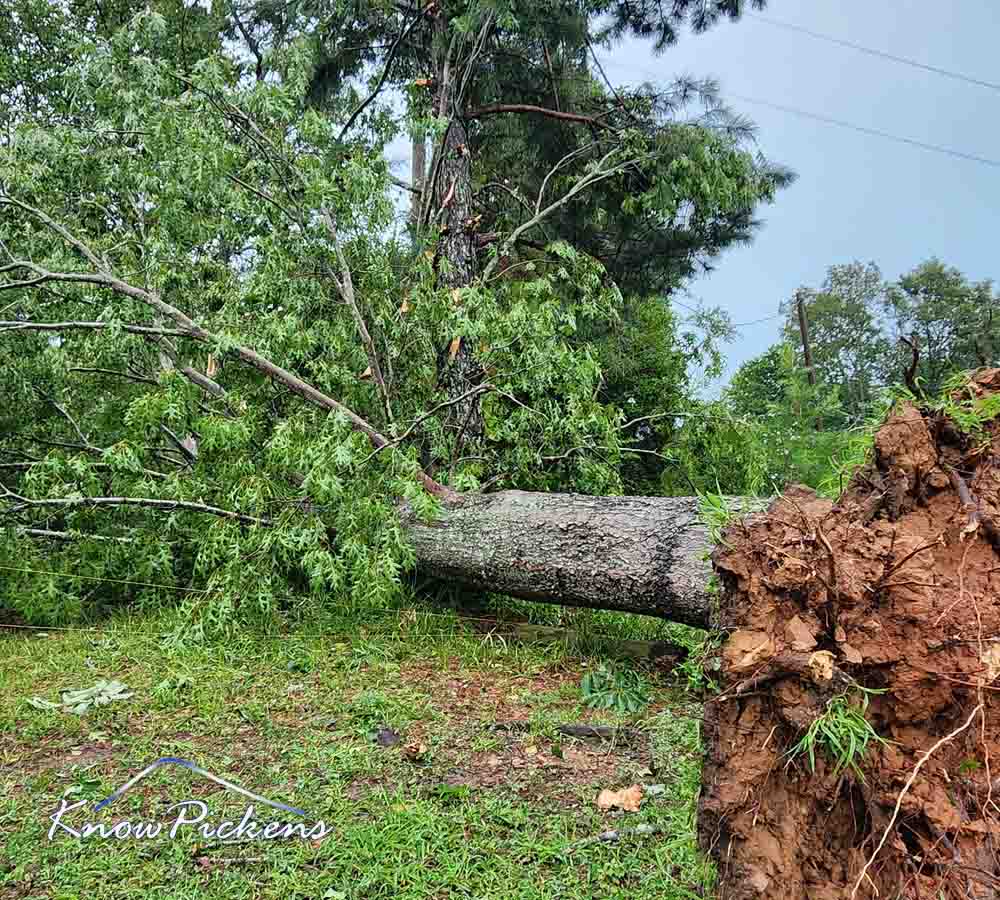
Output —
(252, 44)
(552, 75)
(20, 503)
(70, 536)
(478, 389)
(183, 448)
(390, 58)
(77, 326)
(569, 156)
(607, 81)
(192, 374)
(65, 414)
(128, 376)
(199, 379)
(345, 285)
(500, 108)
(909, 376)
(263, 195)
(84, 250)
(592, 178)
(405, 185)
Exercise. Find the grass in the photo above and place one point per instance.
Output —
(841, 732)
(457, 808)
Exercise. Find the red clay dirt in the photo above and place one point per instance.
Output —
(894, 587)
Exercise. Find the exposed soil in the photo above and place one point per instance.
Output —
(894, 587)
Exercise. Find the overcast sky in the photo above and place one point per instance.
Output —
(857, 196)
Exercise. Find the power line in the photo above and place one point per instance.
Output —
(937, 70)
(829, 120)
(691, 309)
(759, 321)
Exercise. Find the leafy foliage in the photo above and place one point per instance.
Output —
(78, 701)
(197, 231)
(619, 689)
(953, 321)
(857, 322)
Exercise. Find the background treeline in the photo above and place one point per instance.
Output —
(772, 424)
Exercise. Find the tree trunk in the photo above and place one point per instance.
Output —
(634, 554)
(451, 197)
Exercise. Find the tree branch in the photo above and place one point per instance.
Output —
(478, 389)
(65, 414)
(403, 35)
(184, 449)
(909, 376)
(192, 374)
(20, 503)
(405, 185)
(79, 326)
(345, 285)
(70, 536)
(128, 376)
(263, 195)
(598, 174)
(247, 355)
(498, 109)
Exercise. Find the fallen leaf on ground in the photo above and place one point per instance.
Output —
(821, 665)
(627, 799)
(415, 749)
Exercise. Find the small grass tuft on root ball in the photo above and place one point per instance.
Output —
(841, 732)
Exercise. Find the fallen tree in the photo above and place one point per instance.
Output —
(182, 264)
(218, 289)
(634, 554)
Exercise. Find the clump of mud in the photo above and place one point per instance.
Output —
(895, 588)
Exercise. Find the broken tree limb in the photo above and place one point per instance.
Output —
(633, 554)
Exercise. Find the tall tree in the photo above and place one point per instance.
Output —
(846, 319)
(954, 323)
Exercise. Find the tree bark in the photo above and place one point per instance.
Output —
(633, 554)
(451, 206)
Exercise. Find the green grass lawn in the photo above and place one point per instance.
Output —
(480, 797)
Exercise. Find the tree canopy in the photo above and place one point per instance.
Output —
(229, 361)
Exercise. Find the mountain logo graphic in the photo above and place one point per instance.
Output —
(198, 770)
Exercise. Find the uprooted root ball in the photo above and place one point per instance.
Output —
(883, 605)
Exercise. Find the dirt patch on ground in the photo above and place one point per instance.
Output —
(896, 588)
(568, 770)
(46, 760)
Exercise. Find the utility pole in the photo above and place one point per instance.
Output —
(800, 297)
(800, 302)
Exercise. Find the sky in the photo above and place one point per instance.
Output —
(857, 196)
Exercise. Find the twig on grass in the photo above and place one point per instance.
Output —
(613, 836)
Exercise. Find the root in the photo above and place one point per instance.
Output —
(906, 789)
(977, 518)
